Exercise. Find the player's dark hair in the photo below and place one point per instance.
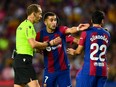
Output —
(97, 17)
(32, 8)
(45, 16)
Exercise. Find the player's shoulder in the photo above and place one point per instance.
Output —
(42, 30)
(106, 31)
(62, 27)
(89, 29)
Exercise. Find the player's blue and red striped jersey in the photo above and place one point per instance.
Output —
(55, 57)
(69, 39)
(95, 42)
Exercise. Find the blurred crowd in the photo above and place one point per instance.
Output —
(70, 13)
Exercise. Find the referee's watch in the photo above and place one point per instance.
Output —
(48, 44)
(48, 48)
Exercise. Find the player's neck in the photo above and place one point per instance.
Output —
(97, 25)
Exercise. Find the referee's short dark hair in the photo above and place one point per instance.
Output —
(97, 17)
(32, 8)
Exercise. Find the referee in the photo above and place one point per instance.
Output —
(25, 44)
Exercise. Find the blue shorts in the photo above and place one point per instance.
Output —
(90, 81)
(58, 78)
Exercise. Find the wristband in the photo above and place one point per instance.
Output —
(77, 28)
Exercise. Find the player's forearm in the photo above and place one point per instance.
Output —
(72, 51)
(79, 50)
(76, 41)
(72, 30)
(81, 27)
(76, 52)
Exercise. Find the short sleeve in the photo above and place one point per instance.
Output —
(69, 39)
(82, 38)
(63, 29)
(30, 32)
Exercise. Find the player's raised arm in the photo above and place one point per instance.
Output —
(81, 27)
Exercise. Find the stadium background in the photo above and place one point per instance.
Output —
(71, 13)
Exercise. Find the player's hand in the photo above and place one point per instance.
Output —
(83, 26)
(70, 51)
(55, 41)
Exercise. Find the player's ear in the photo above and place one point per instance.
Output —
(102, 21)
(58, 21)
